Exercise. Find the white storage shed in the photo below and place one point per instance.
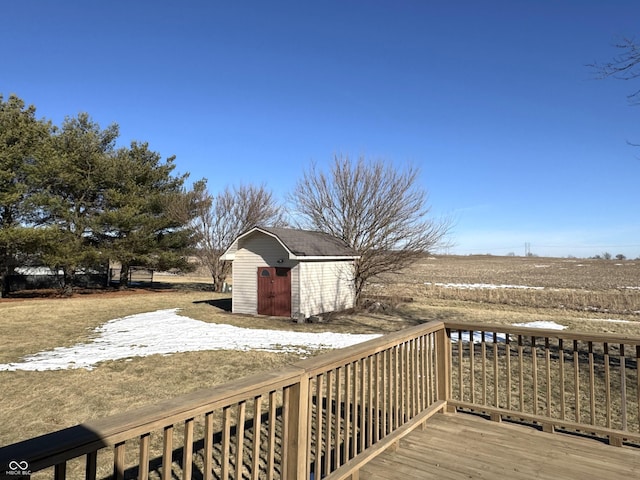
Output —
(290, 273)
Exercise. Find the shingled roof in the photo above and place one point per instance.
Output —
(310, 244)
(302, 243)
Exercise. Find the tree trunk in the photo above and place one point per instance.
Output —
(218, 284)
(124, 276)
(68, 275)
(219, 271)
(359, 283)
(4, 275)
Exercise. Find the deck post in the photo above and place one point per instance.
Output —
(295, 466)
(443, 367)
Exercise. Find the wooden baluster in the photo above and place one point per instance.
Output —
(507, 346)
(483, 352)
(285, 431)
(547, 357)
(576, 374)
(377, 389)
(401, 383)
(208, 446)
(472, 372)
(417, 407)
(411, 378)
(385, 393)
(272, 435)
(309, 420)
(397, 384)
(432, 367)
(60, 471)
(607, 385)
(363, 405)
(143, 472)
(424, 402)
(391, 393)
(348, 401)
(257, 435)
(118, 461)
(319, 417)
(563, 408)
(496, 382)
(419, 374)
(167, 453)
(226, 442)
(460, 374)
(187, 450)
(328, 423)
(357, 408)
(592, 386)
(534, 374)
(521, 374)
(92, 466)
(240, 419)
(406, 376)
(337, 419)
(638, 384)
(623, 388)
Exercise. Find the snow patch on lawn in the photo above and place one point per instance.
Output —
(541, 324)
(482, 286)
(606, 320)
(501, 337)
(165, 332)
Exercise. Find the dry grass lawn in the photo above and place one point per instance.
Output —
(35, 403)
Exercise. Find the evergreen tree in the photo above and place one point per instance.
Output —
(22, 140)
(70, 182)
(140, 225)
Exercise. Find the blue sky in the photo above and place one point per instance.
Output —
(514, 136)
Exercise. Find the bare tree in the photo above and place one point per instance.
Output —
(223, 217)
(377, 209)
(625, 66)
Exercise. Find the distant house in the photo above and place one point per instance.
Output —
(290, 273)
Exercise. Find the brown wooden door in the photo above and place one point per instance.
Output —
(274, 291)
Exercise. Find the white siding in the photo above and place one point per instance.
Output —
(258, 250)
(326, 286)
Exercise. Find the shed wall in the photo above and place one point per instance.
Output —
(326, 286)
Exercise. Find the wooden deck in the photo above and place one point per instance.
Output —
(468, 446)
(334, 415)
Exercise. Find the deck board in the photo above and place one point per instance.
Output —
(468, 446)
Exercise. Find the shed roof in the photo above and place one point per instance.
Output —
(301, 244)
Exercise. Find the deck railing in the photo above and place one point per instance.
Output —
(326, 416)
(580, 382)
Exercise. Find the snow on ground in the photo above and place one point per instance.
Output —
(501, 337)
(165, 332)
(541, 324)
(482, 286)
(606, 320)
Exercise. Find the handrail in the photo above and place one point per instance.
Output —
(558, 379)
(543, 332)
(335, 358)
(44, 451)
(326, 415)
